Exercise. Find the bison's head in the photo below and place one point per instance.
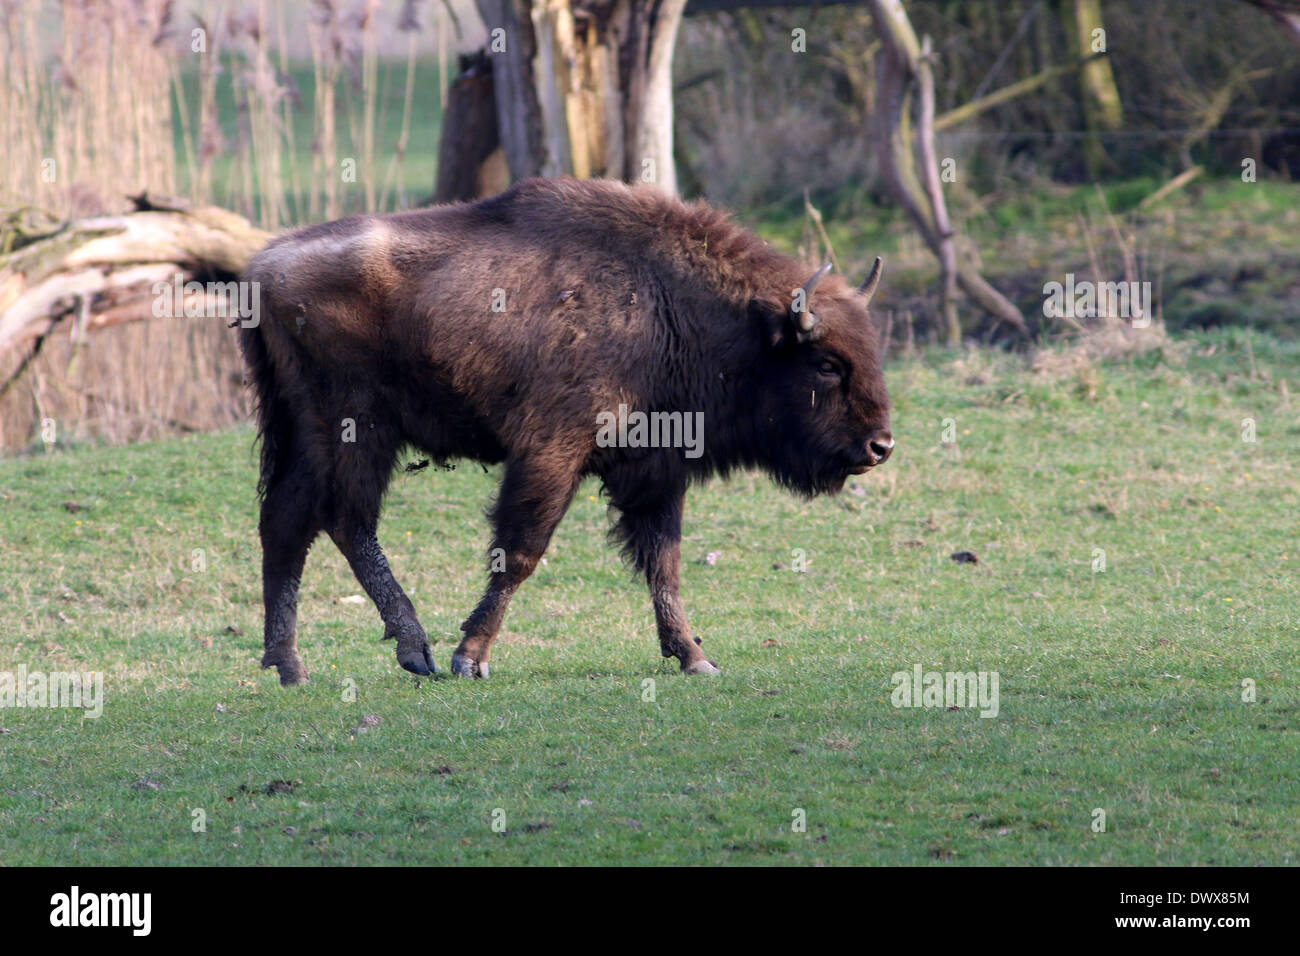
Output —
(823, 409)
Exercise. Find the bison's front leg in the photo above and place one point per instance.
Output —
(535, 493)
(651, 527)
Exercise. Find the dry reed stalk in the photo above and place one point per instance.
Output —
(136, 381)
(263, 94)
(99, 123)
(102, 123)
(410, 25)
(289, 103)
(364, 86)
(326, 55)
(209, 131)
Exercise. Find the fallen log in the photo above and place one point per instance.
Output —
(104, 269)
(66, 284)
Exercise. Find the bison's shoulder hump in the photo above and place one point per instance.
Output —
(327, 240)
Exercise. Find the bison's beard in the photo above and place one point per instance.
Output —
(809, 475)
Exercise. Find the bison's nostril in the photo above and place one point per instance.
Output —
(880, 445)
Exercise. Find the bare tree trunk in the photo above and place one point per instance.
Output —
(945, 251)
(913, 179)
(519, 115)
(1102, 110)
(584, 88)
(648, 116)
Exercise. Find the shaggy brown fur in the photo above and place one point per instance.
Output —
(611, 295)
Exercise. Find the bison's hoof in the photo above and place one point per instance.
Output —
(417, 660)
(701, 667)
(465, 666)
(290, 667)
(292, 676)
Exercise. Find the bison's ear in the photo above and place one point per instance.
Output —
(778, 324)
(773, 322)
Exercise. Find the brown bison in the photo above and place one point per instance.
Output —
(532, 329)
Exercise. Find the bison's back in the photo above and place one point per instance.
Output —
(535, 309)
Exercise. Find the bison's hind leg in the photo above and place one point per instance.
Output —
(288, 526)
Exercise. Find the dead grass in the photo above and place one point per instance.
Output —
(1108, 343)
(98, 124)
(132, 382)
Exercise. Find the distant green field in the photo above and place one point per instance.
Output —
(1121, 690)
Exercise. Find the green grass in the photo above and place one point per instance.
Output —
(1120, 690)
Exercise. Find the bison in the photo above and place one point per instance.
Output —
(510, 331)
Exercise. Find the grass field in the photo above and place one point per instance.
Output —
(1121, 689)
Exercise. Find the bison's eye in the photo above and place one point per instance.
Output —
(829, 368)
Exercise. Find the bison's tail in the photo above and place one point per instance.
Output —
(274, 420)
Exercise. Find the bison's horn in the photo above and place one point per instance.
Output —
(868, 288)
(806, 318)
